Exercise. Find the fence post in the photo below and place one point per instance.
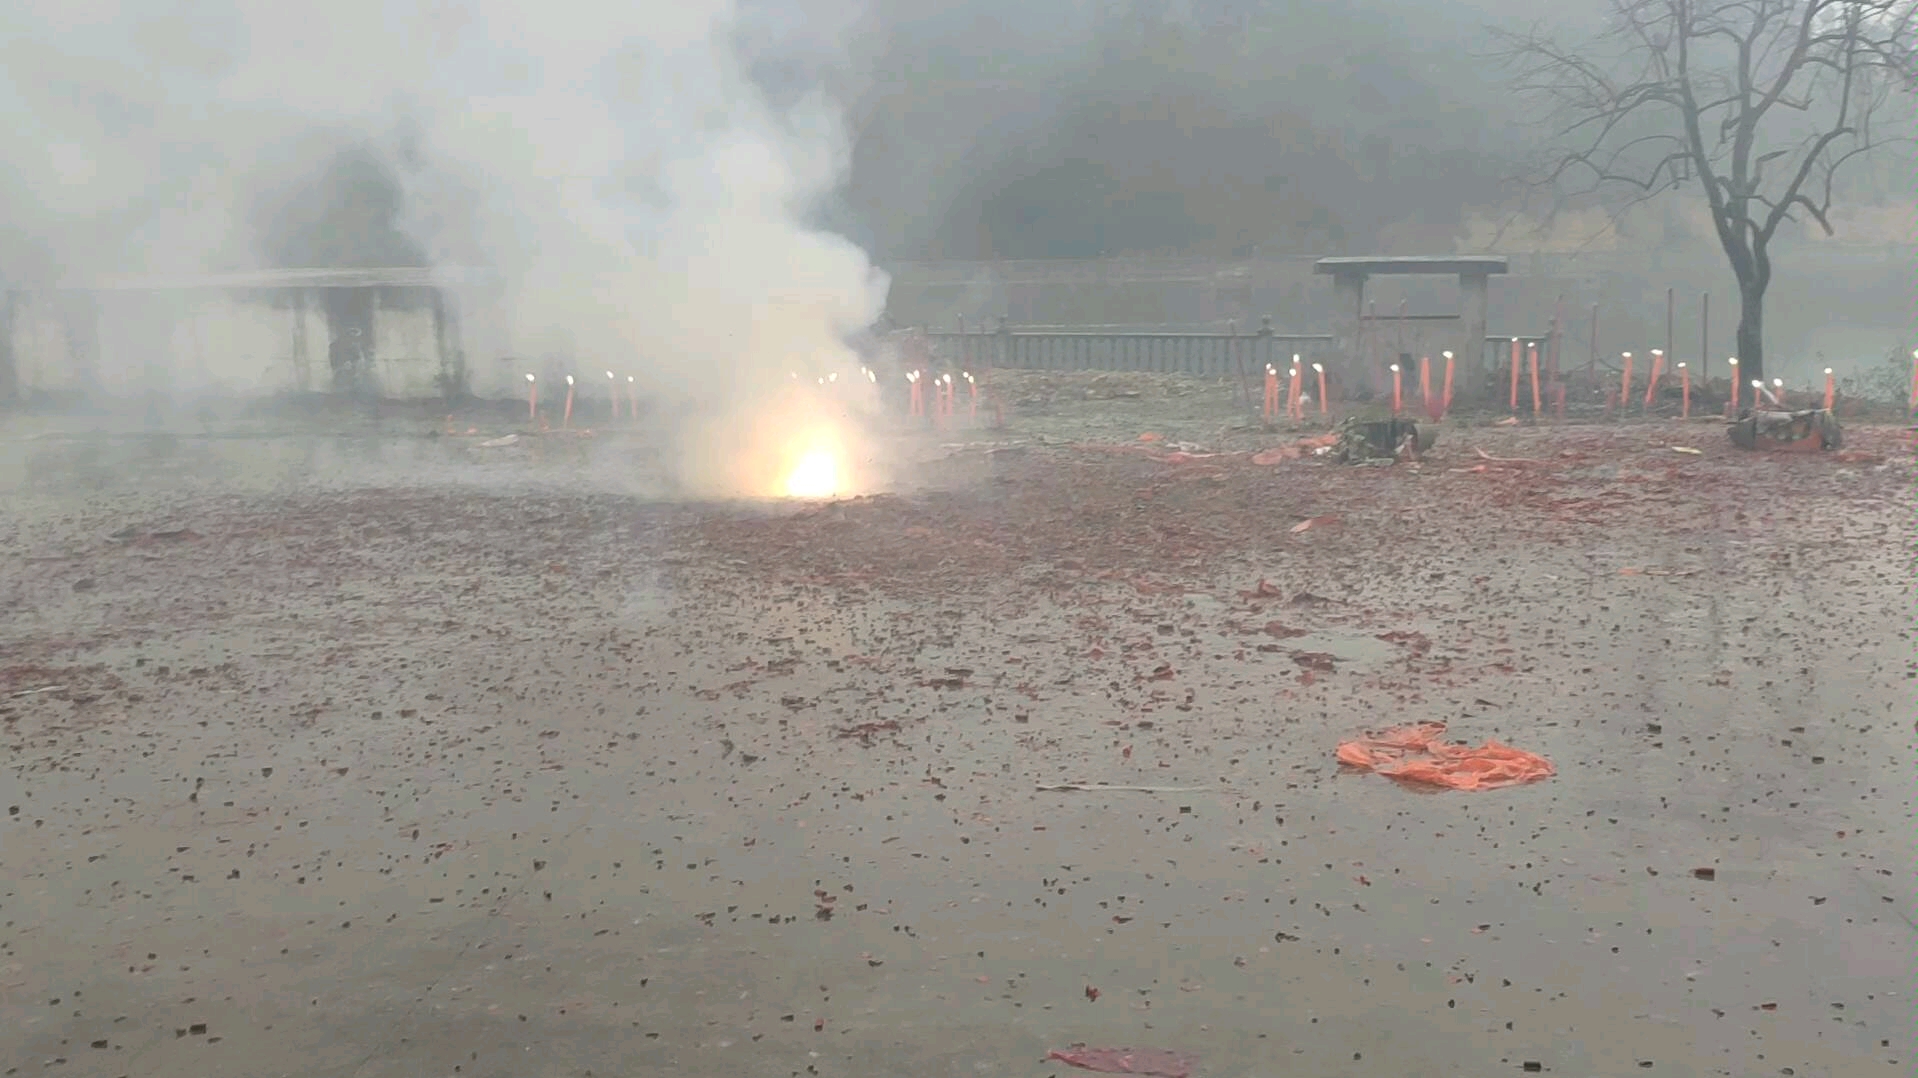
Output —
(1262, 354)
(1236, 359)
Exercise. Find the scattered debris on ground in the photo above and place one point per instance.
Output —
(1789, 432)
(1152, 1062)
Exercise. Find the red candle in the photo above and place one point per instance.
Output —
(1538, 404)
(1514, 375)
(1445, 404)
(1831, 390)
(1778, 391)
(1292, 403)
(1324, 407)
(1425, 383)
(1625, 386)
(1734, 362)
(1913, 406)
(566, 419)
(1398, 396)
(1651, 387)
(532, 399)
(1271, 391)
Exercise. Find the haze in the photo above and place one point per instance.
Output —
(713, 192)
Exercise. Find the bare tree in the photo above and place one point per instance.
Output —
(1761, 103)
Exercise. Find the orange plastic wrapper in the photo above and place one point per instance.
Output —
(1416, 754)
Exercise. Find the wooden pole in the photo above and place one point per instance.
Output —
(1591, 363)
(1238, 361)
(1671, 325)
(1558, 331)
(1704, 330)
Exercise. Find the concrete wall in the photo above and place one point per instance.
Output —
(128, 343)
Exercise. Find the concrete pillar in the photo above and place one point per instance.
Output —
(1348, 308)
(9, 373)
(302, 359)
(80, 325)
(1471, 351)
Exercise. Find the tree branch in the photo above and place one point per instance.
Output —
(1632, 109)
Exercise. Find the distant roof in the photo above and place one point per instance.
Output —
(374, 277)
(1442, 264)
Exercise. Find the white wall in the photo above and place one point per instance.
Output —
(208, 342)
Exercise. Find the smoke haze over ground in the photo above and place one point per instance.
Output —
(618, 167)
(689, 188)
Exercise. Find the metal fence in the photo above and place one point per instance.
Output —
(1200, 354)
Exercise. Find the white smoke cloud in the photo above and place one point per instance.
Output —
(617, 165)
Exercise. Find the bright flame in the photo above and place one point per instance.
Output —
(815, 475)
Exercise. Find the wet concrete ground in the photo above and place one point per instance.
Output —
(392, 756)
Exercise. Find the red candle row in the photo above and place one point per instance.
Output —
(944, 391)
(566, 418)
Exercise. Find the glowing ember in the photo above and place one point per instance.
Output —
(815, 475)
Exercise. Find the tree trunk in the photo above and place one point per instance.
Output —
(1751, 332)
